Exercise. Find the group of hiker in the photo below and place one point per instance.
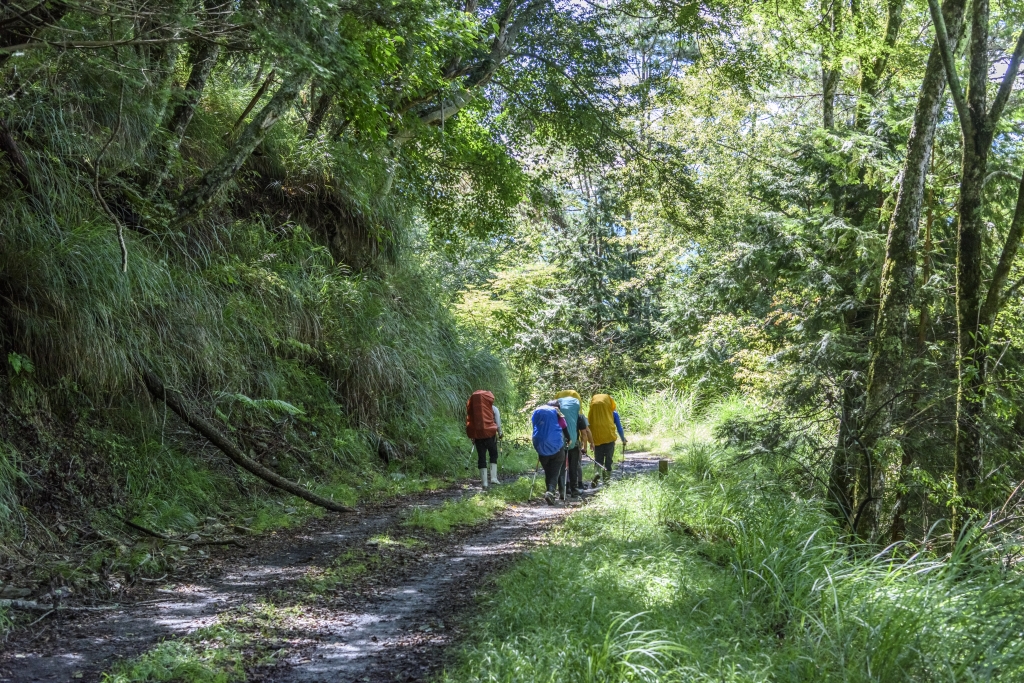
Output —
(561, 437)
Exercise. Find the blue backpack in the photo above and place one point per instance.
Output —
(547, 435)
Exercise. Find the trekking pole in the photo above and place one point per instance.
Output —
(532, 482)
(565, 477)
(497, 451)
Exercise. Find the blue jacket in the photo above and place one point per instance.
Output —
(547, 433)
(570, 408)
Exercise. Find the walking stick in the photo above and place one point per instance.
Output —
(565, 479)
(532, 482)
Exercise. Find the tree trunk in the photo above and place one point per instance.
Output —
(19, 166)
(203, 58)
(214, 180)
(926, 274)
(899, 270)
(898, 529)
(977, 125)
(175, 403)
(316, 119)
(841, 472)
(972, 339)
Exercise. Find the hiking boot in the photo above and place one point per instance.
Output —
(483, 477)
(494, 474)
(549, 498)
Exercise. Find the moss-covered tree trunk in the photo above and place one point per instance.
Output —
(899, 273)
(975, 311)
(203, 192)
(203, 57)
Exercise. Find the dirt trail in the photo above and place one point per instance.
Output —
(395, 625)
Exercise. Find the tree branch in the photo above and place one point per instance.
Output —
(995, 299)
(1000, 174)
(253, 102)
(89, 44)
(1012, 289)
(476, 76)
(956, 89)
(1006, 87)
(174, 401)
(96, 183)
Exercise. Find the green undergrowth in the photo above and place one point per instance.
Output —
(719, 572)
(342, 571)
(379, 553)
(219, 653)
(335, 362)
(472, 510)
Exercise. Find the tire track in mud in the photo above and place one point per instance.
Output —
(395, 626)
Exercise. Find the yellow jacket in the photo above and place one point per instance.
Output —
(602, 422)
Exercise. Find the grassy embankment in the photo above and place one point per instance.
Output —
(723, 572)
(344, 372)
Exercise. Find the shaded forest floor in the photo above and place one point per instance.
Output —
(364, 597)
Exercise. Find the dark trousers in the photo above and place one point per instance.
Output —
(603, 454)
(575, 469)
(553, 467)
(483, 447)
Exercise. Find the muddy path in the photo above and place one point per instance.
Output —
(394, 621)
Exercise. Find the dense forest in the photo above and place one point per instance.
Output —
(299, 233)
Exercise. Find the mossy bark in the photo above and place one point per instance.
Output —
(899, 273)
(216, 178)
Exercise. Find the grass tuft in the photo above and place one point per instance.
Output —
(718, 572)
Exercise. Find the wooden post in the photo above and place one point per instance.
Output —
(662, 467)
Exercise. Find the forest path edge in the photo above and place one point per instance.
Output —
(271, 584)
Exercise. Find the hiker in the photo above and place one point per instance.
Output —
(604, 423)
(579, 437)
(550, 434)
(483, 427)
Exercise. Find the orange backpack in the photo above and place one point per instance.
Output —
(480, 415)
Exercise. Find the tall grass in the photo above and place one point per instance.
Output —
(719, 573)
(239, 310)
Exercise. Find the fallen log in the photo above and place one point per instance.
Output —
(174, 401)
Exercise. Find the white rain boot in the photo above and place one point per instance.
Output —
(483, 476)
(494, 473)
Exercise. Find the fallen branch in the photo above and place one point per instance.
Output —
(33, 606)
(162, 537)
(219, 541)
(45, 614)
(148, 532)
(174, 401)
